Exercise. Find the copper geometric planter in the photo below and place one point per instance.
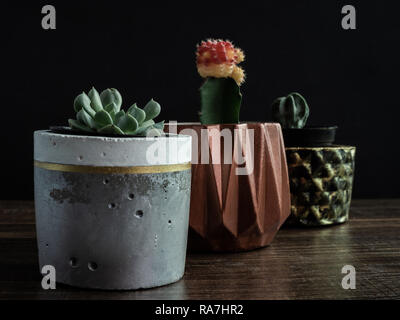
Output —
(231, 212)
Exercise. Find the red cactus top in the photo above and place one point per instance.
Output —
(218, 58)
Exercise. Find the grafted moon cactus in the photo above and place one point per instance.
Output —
(102, 113)
(220, 94)
(291, 111)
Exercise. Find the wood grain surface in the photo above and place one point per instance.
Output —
(301, 263)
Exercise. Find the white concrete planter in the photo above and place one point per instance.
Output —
(107, 215)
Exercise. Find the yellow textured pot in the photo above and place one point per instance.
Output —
(321, 181)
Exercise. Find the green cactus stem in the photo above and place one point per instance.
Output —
(102, 114)
(220, 101)
(291, 111)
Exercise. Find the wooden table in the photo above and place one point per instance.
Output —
(301, 263)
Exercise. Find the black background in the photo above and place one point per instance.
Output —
(146, 49)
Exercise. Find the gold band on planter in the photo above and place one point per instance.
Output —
(110, 170)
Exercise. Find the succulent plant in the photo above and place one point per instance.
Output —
(220, 94)
(291, 111)
(102, 114)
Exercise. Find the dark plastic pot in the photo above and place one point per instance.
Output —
(309, 136)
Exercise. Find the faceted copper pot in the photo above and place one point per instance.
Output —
(236, 206)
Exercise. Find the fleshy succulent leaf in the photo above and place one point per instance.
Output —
(132, 107)
(86, 119)
(74, 124)
(103, 118)
(152, 132)
(144, 126)
(220, 101)
(118, 115)
(112, 114)
(111, 129)
(111, 107)
(127, 123)
(147, 123)
(159, 125)
(137, 113)
(111, 95)
(152, 110)
(95, 101)
(89, 111)
(81, 101)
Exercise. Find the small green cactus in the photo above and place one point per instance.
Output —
(291, 111)
(220, 101)
(102, 114)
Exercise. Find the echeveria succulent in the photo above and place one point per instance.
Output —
(102, 114)
(220, 94)
(291, 111)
